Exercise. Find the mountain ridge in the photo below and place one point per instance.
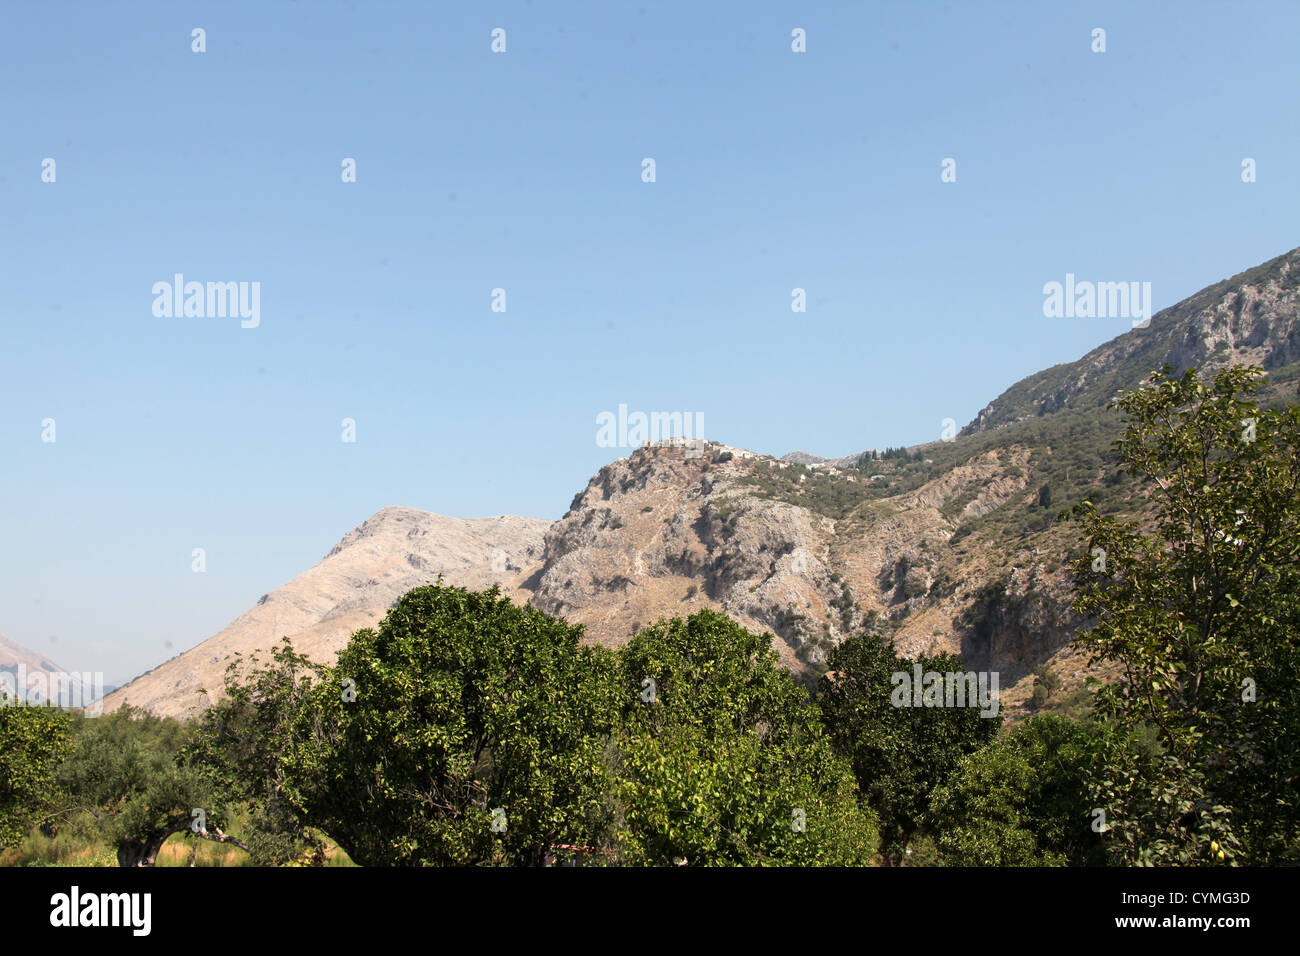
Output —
(950, 546)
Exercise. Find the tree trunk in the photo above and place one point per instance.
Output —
(144, 852)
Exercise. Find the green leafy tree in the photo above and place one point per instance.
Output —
(723, 760)
(33, 741)
(126, 770)
(898, 754)
(1046, 683)
(463, 730)
(243, 744)
(1197, 600)
(1023, 800)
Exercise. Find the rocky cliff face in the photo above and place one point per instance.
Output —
(659, 533)
(662, 533)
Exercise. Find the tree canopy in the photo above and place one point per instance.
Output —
(33, 742)
(1199, 606)
(723, 759)
(898, 754)
(464, 729)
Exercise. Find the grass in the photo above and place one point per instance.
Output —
(77, 844)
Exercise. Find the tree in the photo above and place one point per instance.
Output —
(1197, 600)
(464, 730)
(898, 754)
(722, 758)
(243, 744)
(127, 771)
(1022, 800)
(33, 740)
(1046, 683)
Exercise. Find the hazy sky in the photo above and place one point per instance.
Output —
(522, 171)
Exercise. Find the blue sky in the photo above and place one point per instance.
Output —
(522, 171)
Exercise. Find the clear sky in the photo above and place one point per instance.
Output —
(522, 171)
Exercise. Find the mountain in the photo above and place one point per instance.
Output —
(45, 679)
(808, 553)
(352, 587)
(950, 546)
(1252, 318)
(12, 654)
(817, 461)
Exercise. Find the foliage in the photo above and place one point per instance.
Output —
(243, 744)
(723, 760)
(1022, 800)
(126, 771)
(832, 495)
(1200, 609)
(1046, 683)
(478, 734)
(33, 740)
(898, 754)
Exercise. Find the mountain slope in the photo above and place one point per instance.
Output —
(12, 654)
(1252, 318)
(352, 587)
(45, 680)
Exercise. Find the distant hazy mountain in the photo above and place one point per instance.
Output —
(13, 653)
(46, 680)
